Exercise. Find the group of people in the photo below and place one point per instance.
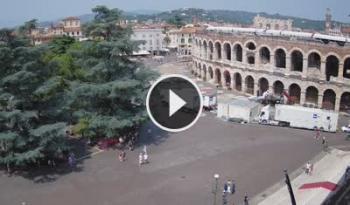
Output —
(318, 137)
(229, 187)
(143, 158)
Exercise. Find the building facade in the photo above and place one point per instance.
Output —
(72, 27)
(152, 38)
(312, 72)
(181, 39)
(67, 27)
(269, 23)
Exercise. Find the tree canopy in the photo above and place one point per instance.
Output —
(30, 118)
(110, 98)
(92, 85)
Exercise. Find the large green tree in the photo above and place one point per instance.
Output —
(31, 121)
(110, 99)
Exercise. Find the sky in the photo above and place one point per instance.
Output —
(14, 12)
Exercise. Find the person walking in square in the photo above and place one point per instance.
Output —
(140, 159)
(122, 156)
(225, 188)
(308, 168)
(318, 134)
(145, 158)
(246, 200)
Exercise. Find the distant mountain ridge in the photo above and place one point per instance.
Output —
(223, 16)
(231, 16)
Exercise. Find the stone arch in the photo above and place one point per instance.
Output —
(251, 59)
(346, 70)
(204, 73)
(251, 45)
(205, 47)
(294, 93)
(218, 76)
(218, 50)
(314, 60)
(249, 84)
(227, 49)
(332, 67)
(311, 95)
(238, 52)
(328, 101)
(345, 102)
(211, 50)
(199, 71)
(238, 81)
(264, 55)
(297, 60)
(227, 77)
(280, 58)
(263, 85)
(278, 87)
(211, 72)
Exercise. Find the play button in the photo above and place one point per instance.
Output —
(174, 103)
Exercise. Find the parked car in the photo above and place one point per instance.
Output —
(346, 129)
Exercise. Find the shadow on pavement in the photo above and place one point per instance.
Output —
(44, 173)
(152, 135)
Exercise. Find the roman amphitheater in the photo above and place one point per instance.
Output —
(310, 71)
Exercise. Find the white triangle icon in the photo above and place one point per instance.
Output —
(175, 103)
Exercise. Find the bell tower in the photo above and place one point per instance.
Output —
(328, 21)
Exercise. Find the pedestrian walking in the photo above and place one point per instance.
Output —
(233, 187)
(308, 168)
(225, 188)
(140, 159)
(145, 158)
(145, 149)
(318, 134)
(229, 186)
(246, 200)
(324, 143)
(122, 156)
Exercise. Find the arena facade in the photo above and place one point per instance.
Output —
(313, 72)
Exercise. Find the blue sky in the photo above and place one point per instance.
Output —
(14, 12)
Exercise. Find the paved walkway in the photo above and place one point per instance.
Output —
(328, 170)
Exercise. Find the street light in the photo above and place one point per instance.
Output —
(290, 189)
(215, 190)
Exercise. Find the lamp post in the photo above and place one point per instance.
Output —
(215, 188)
(290, 189)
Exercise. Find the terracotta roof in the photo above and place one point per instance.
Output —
(188, 30)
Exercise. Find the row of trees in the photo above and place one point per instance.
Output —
(92, 85)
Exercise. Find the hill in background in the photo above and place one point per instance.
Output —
(221, 16)
(227, 16)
